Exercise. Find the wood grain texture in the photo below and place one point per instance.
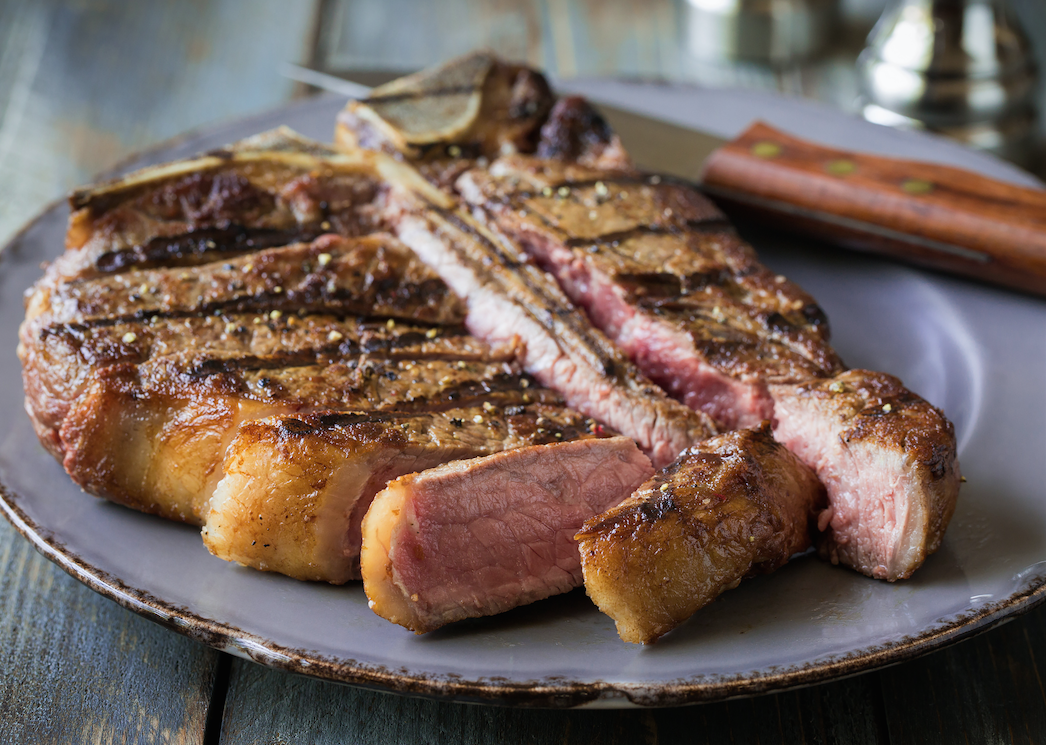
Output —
(270, 706)
(79, 668)
(932, 215)
(988, 690)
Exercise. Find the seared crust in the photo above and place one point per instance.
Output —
(473, 538)
(736, 505)
(648, 257)
(296, 489)
(889, 463)
(219, 310)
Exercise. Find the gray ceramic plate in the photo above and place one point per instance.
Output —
(977, 352)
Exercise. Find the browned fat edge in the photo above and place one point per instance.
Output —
(542, 314)
(195, 246)
(609, 240)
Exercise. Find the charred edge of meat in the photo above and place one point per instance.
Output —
(318, 300)
(564, 311)
(178, 249)
(712, 225)
(543, 423)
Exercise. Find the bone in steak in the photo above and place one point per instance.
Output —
(207, 350)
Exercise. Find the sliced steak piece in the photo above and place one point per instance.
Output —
(77, 327)
(296, 489)
(153, 436)
(656, 266)
(374, 275)
(736, 505)
(888, 460)
(509, 299)
(478, 537)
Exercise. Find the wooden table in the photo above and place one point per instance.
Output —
(84, 84)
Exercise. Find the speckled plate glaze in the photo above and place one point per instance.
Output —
(977, 352)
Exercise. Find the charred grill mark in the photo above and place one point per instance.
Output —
(657, 508)
(662, 287)
(250, 362)
(712, 225)
(545, 310)
(198, 245)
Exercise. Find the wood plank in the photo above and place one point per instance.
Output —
(79, 668)
(988, 690)
(265, 703)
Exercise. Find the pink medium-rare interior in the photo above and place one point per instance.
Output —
(870, 493)
(663, 352)
(498, 320)
(477, 536)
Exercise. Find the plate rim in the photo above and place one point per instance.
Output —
(552, 692)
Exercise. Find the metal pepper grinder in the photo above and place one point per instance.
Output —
(963, 68)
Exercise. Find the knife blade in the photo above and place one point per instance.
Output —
(934, 216)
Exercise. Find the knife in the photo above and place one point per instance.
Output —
(934, 216)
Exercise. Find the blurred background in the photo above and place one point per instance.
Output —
(84, 83)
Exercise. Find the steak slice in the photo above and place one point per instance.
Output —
(736, 505)
(479, 537)
(888, 460)
(656, 266)
(509, 299)
(296, 489)
(243, 308)
(154, 436)
(269, 190)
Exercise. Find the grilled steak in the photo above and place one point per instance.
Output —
(88, 324)
(473, 538)
(735, 505)
(296, 489)
(888, 461)
(238, 341)
(657, 267)
(508, 299)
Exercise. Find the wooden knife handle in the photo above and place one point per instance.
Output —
(935, 216)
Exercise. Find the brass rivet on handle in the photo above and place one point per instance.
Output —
(766, 149)
(840, 167)
(917, 186)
